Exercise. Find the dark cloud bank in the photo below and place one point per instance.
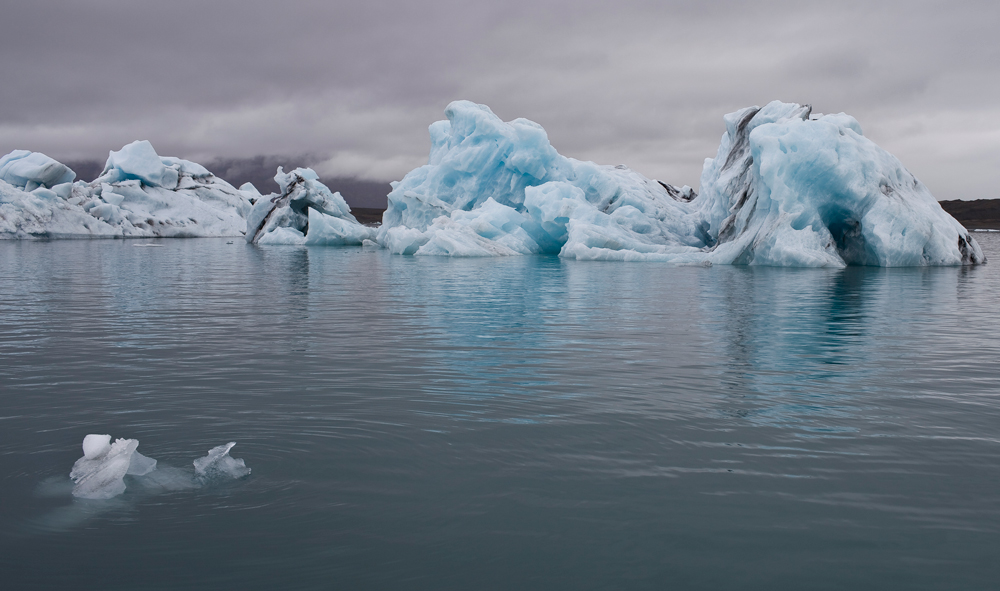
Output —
(354, 85)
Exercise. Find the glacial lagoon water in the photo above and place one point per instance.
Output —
(517, 423)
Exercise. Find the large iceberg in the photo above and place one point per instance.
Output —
(786, 188)
(304, 212)
(139, 194)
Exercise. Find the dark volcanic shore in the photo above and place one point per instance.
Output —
(981, 214)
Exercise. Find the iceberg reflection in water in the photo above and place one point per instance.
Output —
(437, 420)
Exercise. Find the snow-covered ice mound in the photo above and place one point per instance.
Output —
(785, 189)
(100, 473)
(304, 212)
(139, 194)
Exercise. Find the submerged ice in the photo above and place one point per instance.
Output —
(785, 189)
(101, 472)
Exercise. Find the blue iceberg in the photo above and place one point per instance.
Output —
(786, 189)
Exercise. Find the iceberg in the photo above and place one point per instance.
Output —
(786, 188)
(218, 464)
(139, 194)
(791, 189)
(493, 188)
(304, 212)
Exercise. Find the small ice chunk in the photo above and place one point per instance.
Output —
(218, 463)
(95, 446)
(100, 472)
(101, 477)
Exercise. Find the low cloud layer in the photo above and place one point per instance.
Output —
(355, 85)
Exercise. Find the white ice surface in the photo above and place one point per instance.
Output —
(784, 190)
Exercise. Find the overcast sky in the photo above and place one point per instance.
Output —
(357, 83)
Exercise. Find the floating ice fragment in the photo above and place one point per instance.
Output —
(100, 473)
(218, 464)
(101, 476)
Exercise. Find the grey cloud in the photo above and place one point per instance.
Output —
(356, 84)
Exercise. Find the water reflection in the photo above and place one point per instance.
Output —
(803, 347)
(438, 420)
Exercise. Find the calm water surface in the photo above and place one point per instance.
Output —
(521, 423)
